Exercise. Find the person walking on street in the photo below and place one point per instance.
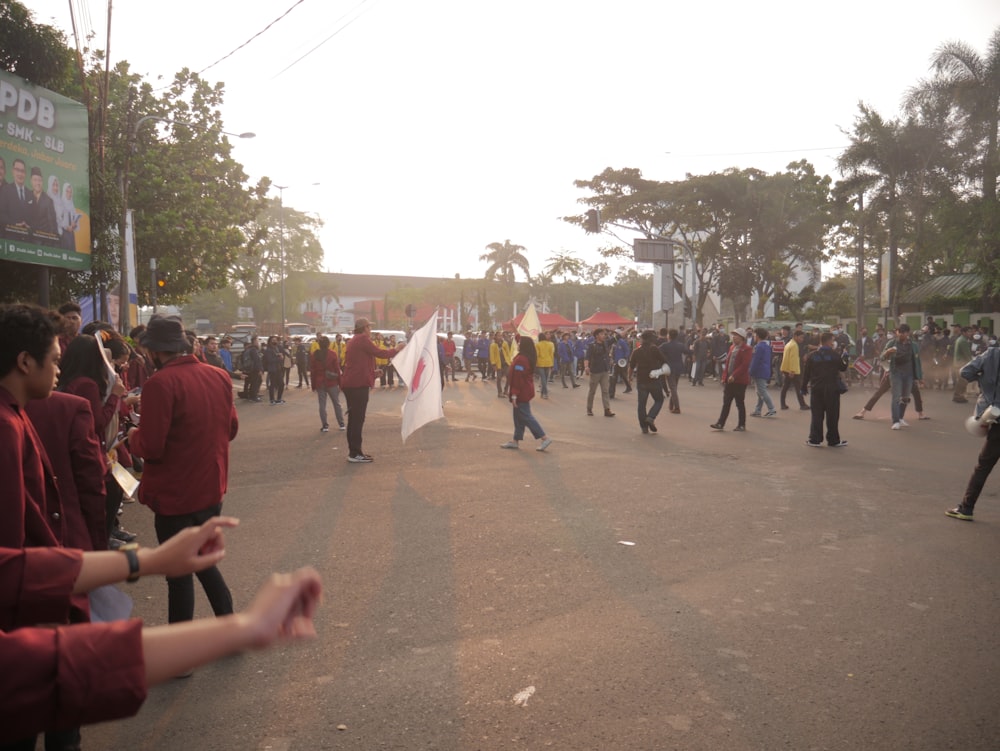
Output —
(567, 361)
(735, 377)
(326, 372)
(822, 376)
(597, 365)
(521, 381)
(760, 372)
(984, 370)
(903, 357)
(645, 358)
(791, 369)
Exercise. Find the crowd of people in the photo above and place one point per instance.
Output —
(71, 396)
(68, 421)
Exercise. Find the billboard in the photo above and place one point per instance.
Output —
(44, 177)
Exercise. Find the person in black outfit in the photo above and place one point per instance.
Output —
(821, 373)
(645, 358)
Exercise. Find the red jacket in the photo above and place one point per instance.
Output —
(521, 379)
(103, 410)
(188, 420)
(359, 361)
(57, 678)
(738, 364)
(30, 510)
(65, 426)
(319, 367)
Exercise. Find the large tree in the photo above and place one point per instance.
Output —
(504, 259)
(969, 84)
(266, 254)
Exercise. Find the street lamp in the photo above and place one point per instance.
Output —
(124, 312)
(281, 215)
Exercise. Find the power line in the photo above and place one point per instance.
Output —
(296, 62)
(297, 3)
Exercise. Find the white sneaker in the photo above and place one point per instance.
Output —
(896, 426)
(904, 423)
(509, 445)
(544, 444)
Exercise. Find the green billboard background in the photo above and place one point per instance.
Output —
(43, 134)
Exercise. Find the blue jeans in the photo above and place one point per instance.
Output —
(653, 388)
(524, 419)
(760, 384)
(334, 393)
(902, 387)
(544, 374)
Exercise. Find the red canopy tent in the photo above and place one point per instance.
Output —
(605, 320)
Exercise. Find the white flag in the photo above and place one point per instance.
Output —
(420, 369)
(530, 326)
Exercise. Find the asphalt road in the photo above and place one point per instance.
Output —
(775, 597)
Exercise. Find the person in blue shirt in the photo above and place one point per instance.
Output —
(567, 360)
(469, 356)
(760, 372)
(620, 350)
(674, 350)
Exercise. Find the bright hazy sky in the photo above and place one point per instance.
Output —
(437, 127)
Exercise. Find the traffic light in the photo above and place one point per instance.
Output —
(593, 221)
(161, 281)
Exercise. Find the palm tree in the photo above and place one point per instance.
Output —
(971, 83)
(874, 164)
(504, 259)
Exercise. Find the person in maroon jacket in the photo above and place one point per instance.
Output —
(736, 378)
(324, 371)
(188, 420)
(356, 380)
(521, 382)
(31, 513)
(59, 677)
(65, 425)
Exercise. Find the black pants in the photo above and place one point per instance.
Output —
(825, 403)
(180, 590)
(251, 386)
(357, 405)
(303, 371)
(988, 457)
(792, 382)
(275, 385)
(734, 392)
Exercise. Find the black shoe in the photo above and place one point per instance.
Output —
(651, 424)
(124, 535)
(739, 429)
(784, 406)
(717, 426)
(576, 385)
(814, 445)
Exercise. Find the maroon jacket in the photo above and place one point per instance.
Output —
(359, 361)
(30, 510)
(56, 678)
(65, 426)
(318, 368)
(188, 420)
(521, 379)
(738, 364)
(103, 411)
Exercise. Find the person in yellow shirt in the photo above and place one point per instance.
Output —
(546, 352)
(500, 360)
(791, 369)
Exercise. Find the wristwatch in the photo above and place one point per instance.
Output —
(133, 560)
